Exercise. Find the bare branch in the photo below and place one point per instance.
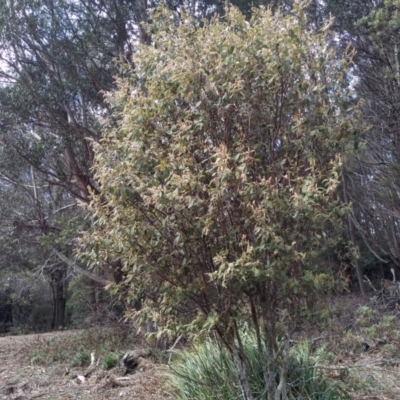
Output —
(72, 264)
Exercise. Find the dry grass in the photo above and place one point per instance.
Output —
(51, 376)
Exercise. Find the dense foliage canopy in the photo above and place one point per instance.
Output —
(218, 182)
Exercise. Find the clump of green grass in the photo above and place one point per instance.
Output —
(37, 357)
(75, 347)
(80, 359)
(207, 372)
(110, 360)
(304, 378)
(382, 330)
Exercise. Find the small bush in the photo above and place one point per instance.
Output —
(81, 358)
(208, 373)
(110, 361)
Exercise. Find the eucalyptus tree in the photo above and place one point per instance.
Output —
(373, 180)
(56, 58)
(26, 202)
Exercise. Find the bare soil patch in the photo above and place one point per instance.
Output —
(21, 379)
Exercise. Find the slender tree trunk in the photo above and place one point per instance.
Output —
(242, 372)
(269, 332)
(59, 300)
(53, 295)
(281, 391)
(260, 341)
(141, 10)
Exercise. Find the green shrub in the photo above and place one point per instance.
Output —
(208, 373)
(81, 358)
(108, 311)
(110, 361)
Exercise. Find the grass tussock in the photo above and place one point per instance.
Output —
(110, 360)
(207, 372)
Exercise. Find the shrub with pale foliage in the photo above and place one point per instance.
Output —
(218, 171)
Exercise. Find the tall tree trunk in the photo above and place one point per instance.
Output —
(59, 299)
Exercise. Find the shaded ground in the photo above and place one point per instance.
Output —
(22, 380)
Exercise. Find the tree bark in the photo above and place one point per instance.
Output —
(242, 372)
(59, 298)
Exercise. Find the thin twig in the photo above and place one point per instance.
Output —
(172, 348)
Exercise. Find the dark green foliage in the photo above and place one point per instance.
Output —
(110, 360)
(373, 179)
(88, 304)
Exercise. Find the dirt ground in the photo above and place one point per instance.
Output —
(371, 373)
(20, 380)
